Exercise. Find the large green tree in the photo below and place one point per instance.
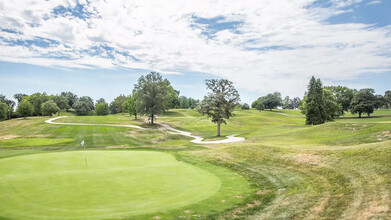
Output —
(72, 98)
(49, 108)
(272, 100)
(220, 103)
(116, 104)
(314, 105)
(245, 106)
(130, 106)
(25, 108)
(343, 96)
(61, 101)
(152, 93)
(258, 104)
(37, 99)
(333, 109)
(84, 105)
(102, 108)
(364, 101)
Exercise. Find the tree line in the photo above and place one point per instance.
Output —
(274, 100)
(42, 104)
(153, 95)
(324, 103)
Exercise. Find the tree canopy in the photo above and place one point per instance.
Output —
(102, 108)
(187, 103)
(272, 100)
(258, 104)
(61, 101)
(49, 108)
(245, 106)
(130, 106)
(19, 97)
(84, 105)
(220, 103)
(343, 96)
(101, 100)
(116, 104)
(25, 108)
(72, 98)
(363, 101)
(152, 93)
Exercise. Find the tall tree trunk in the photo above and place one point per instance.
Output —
(369, 114)
(359, 114)
(152, 116)
(218, 128)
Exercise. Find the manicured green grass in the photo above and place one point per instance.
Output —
(115, 184)
(31, 142)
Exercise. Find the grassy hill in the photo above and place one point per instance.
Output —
(340, 169)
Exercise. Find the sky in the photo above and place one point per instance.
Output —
(100, 48)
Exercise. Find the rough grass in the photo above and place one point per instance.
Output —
(338, 170)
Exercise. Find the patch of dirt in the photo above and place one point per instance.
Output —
(6, 137)
(237, 212)
(156, 217)
(310, 159)
(319, 207)
(375, 208)
(383, 136)
(237, 197)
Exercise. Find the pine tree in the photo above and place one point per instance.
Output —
(315, 109)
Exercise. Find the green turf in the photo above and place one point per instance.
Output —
(114, 184)
(31, 142)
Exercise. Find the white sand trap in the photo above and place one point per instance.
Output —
(197, 139)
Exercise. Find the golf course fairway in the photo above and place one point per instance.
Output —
(114, 184)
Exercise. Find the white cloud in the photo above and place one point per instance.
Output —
(374, 2)
(277, 45)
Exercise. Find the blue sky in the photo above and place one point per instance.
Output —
(100, 49)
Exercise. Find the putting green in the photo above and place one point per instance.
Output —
(115, 184)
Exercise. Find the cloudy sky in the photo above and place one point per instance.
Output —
(100, 48)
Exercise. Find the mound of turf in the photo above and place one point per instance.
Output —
(115, 184)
